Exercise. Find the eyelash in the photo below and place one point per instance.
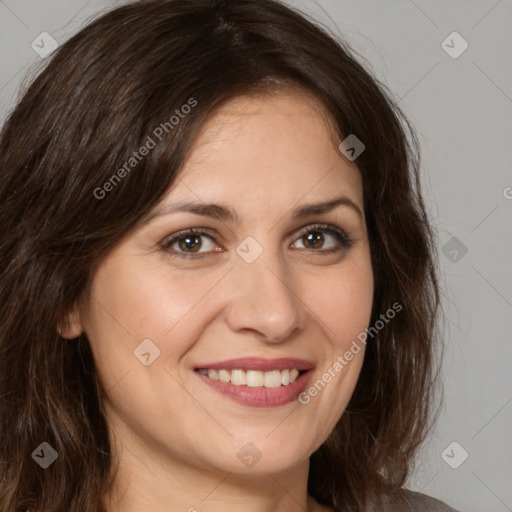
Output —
(344, 241)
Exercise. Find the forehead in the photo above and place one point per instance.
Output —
(282, 145)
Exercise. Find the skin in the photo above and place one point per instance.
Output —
(176, 439)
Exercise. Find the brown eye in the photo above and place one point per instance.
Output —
(323, 238)
(190, 243)
(313, 240)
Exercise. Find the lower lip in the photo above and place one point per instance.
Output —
(260, 397)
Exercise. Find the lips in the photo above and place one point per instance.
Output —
(257, 382)
(263, 365)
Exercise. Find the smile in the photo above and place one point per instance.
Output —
(253, 378)
(256, 382)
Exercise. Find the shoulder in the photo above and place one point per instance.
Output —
(404, 500)
(421, 502)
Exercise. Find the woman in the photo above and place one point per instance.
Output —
(219, 290)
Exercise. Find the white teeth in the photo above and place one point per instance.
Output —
(253, 378)
(224, 375)
(213, 374)
(238, 377)
(273, 379)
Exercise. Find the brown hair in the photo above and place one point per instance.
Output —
(102, 94)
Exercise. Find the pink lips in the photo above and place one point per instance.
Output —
(256, 363)
(261, 396)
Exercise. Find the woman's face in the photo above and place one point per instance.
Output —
(271, 278)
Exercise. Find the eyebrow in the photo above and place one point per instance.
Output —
(224, 213)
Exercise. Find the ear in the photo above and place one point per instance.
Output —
(70, 327)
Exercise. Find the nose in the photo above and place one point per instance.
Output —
(264, 301)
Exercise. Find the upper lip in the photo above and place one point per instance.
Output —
(257, 363)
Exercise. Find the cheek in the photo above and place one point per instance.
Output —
(345, 309)
(132, 301)
(148, 301)
(344, 303)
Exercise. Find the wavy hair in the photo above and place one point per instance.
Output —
(97, 101)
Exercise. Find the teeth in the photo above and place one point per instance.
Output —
(213, 374)
(224, 375)
(273, 379)
(238, 378)
(253, 378)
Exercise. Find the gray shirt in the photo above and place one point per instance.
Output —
(412, 501)
(424, 503)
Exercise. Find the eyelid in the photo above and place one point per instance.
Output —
(196, 231)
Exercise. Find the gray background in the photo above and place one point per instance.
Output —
(462, 110)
